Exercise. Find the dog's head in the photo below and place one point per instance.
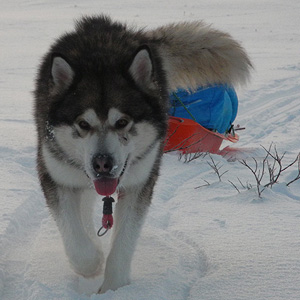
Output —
(105, 116)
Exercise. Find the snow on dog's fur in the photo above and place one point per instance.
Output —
(101, 111)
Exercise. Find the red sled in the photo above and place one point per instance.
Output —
(188, 136)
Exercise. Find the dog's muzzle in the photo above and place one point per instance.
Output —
(102, 164)
(106, 182)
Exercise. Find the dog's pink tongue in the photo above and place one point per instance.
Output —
(106, 186)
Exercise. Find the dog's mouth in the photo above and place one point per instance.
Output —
(106, 186)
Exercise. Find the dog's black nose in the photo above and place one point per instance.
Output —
(102, 164)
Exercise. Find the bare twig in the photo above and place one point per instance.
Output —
(248, 186)
(275, 173)
(216, 168)
(275, 168)
(241, 183)
(298, 175)
(169, 136)
(234, 186)
(257, 175)
(207, 184)
(188, 157)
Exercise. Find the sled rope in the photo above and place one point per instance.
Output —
(183, 105)
(107, 219)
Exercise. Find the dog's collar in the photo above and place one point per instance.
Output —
(49, 131)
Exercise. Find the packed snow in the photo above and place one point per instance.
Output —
(204, 238)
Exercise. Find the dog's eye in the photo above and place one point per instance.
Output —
(121, 123)
(84, 125)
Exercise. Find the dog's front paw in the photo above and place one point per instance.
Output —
(88, 262)
(113, 284)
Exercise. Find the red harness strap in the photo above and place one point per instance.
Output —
(107, 219)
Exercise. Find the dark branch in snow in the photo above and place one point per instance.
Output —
(234, 186)
(274, 164)
(216, 168)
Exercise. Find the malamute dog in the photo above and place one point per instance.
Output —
(101, 111)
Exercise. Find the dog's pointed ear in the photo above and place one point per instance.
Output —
(141, 68)
(62, 73)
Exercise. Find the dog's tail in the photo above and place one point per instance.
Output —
(194, 54)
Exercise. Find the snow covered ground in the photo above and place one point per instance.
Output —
(200, 241)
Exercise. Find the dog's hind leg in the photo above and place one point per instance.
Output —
(84, 254)
(130, 213)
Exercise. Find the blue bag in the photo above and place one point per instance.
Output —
(213, 107)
